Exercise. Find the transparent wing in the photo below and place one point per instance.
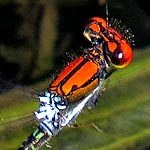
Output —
(17, 104)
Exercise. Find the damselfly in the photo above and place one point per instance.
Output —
(79, 83)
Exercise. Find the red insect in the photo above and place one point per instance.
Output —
(80, 77)
(79, 83)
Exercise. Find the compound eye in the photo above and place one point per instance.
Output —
(121, 56)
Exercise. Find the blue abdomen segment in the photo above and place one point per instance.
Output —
(53, 114)
(50, 112)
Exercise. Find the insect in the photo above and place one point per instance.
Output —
(79, 84)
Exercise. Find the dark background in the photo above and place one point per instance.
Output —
(35, 34)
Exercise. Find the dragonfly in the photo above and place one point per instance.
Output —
(80, 82)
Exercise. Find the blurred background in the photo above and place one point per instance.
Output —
(34, 36)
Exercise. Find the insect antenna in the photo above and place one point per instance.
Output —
(106, 13)
(122, 29)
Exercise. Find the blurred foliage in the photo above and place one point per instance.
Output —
(122, 114)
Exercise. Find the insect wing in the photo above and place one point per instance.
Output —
(16, 116)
